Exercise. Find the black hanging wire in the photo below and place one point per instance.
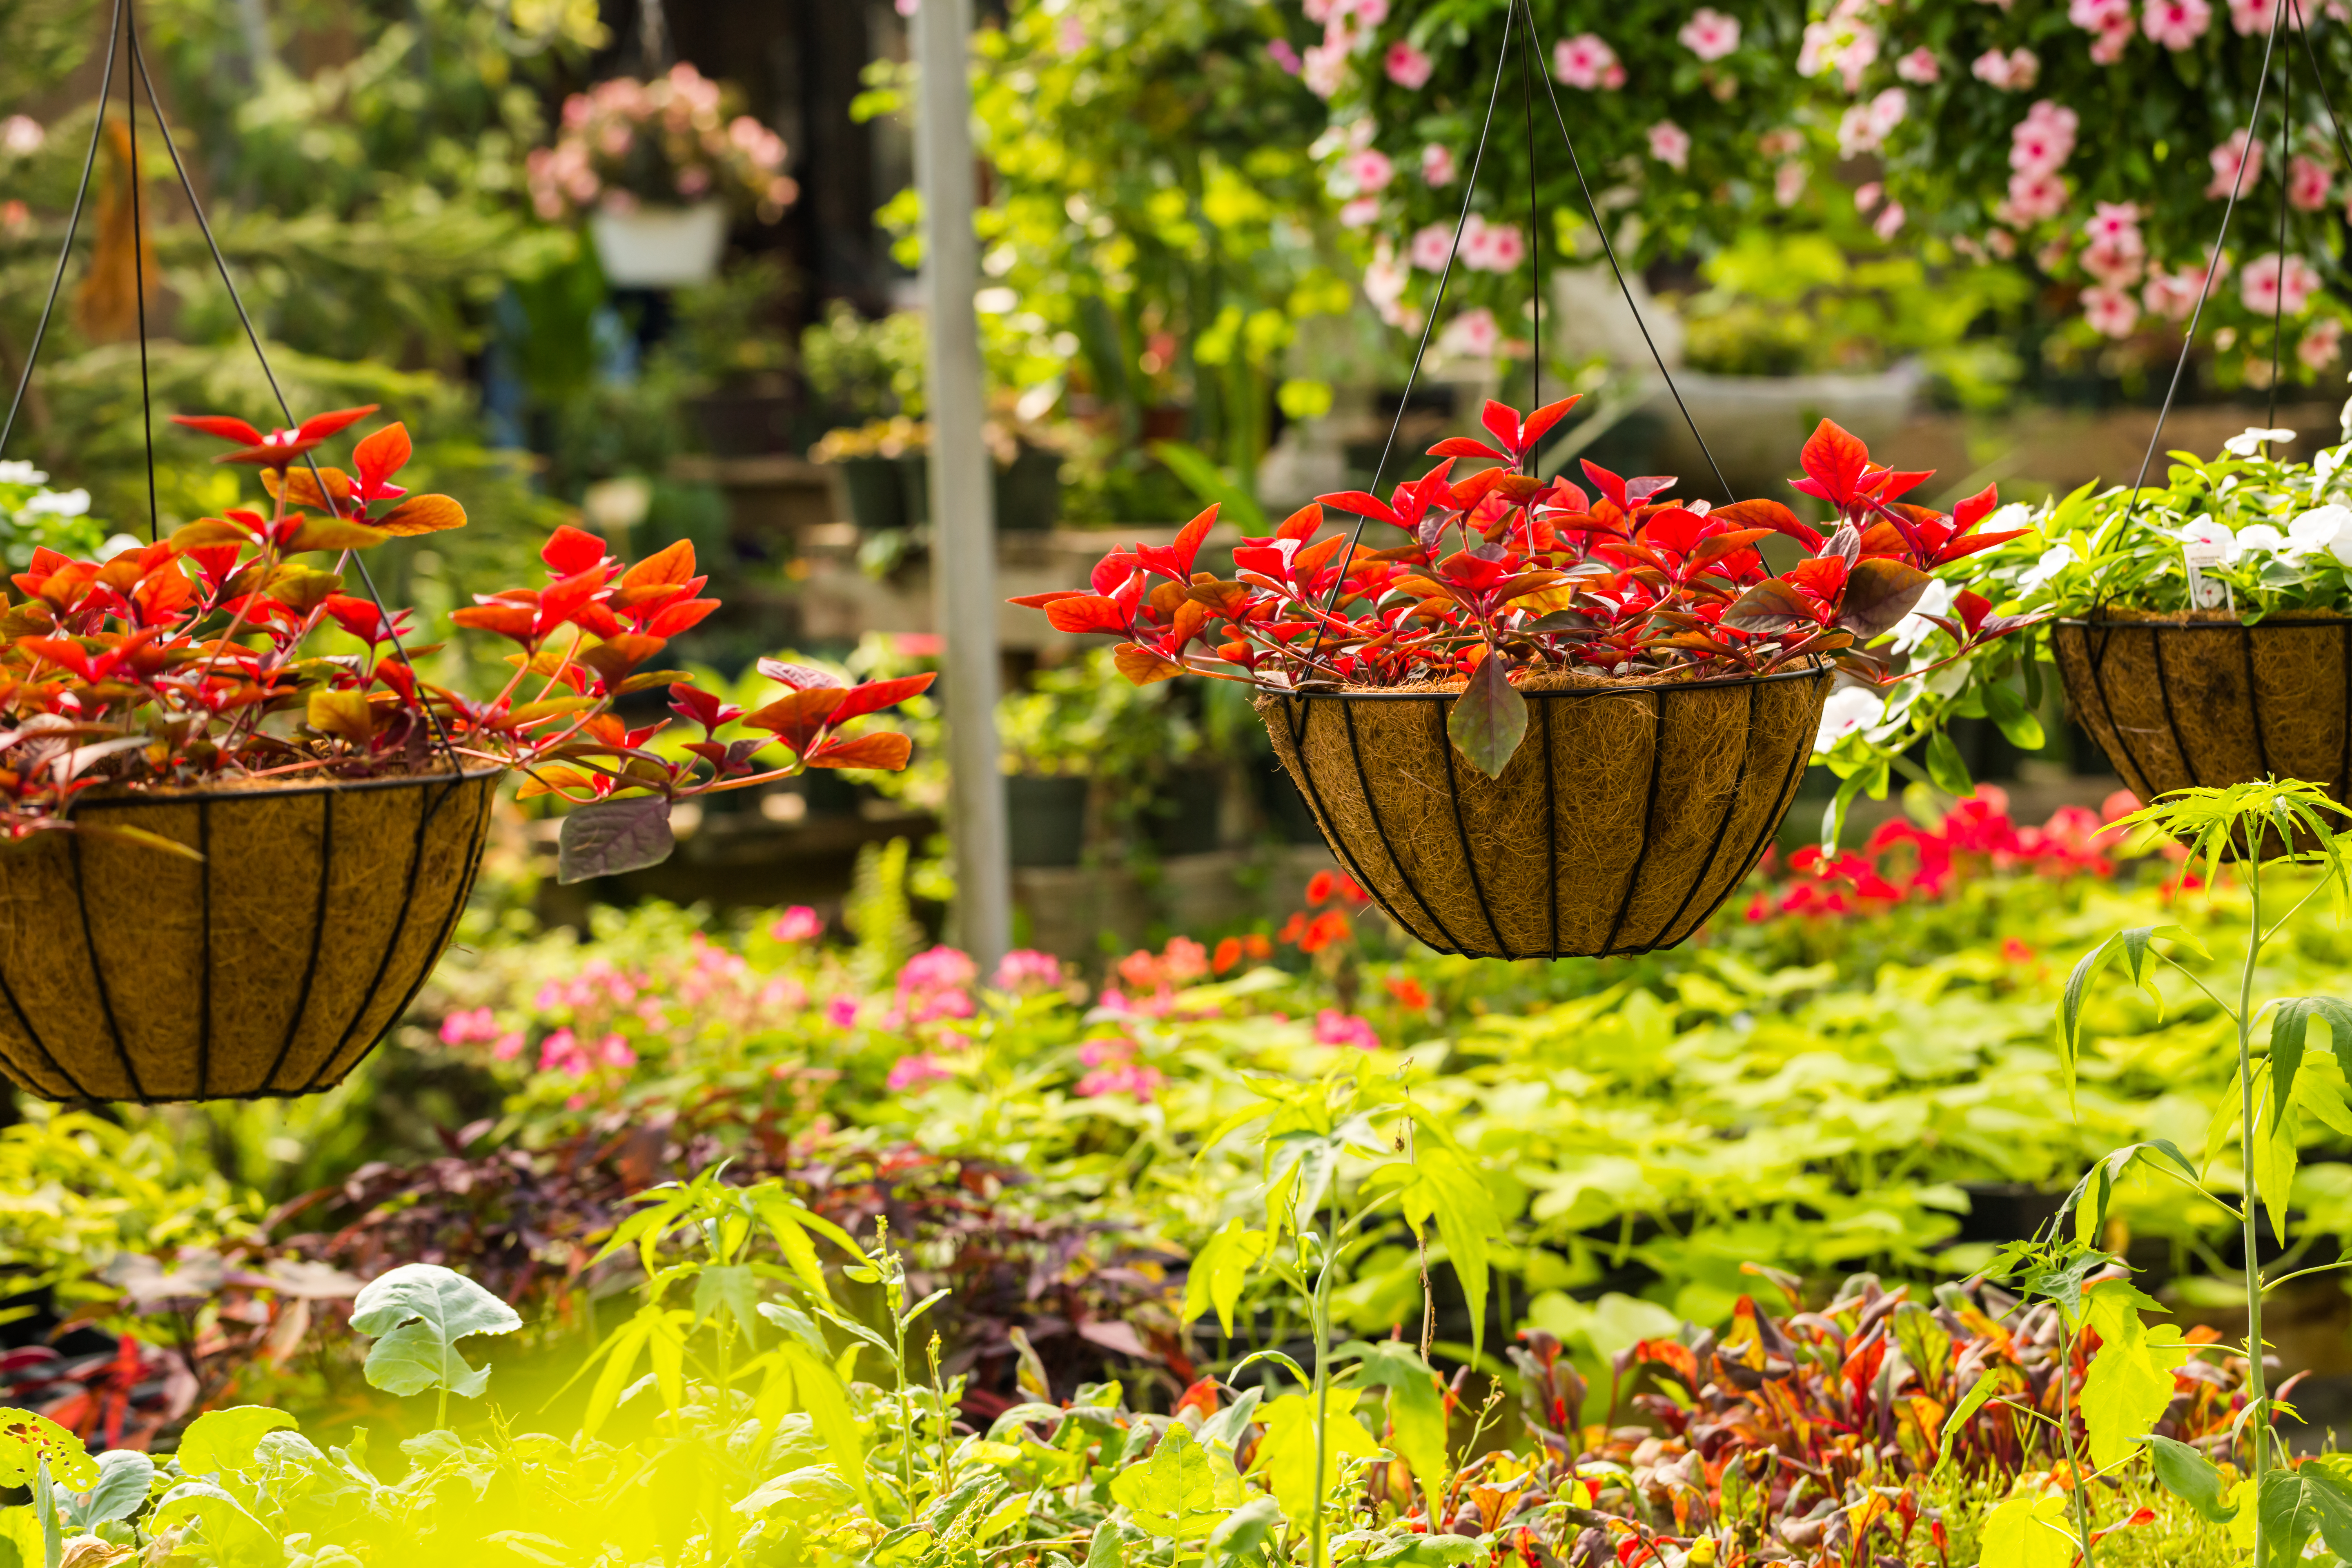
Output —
(2287, 189)
(1609, 248)
(1535, 237)
(245, 319)
(73, 226)
(138, 268)
(1437, 304)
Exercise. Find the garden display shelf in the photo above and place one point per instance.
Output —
(271, 967)
(1627, 817)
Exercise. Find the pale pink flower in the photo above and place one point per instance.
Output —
(2001, 242)
(1868, 196)
(1324, 67)
(1385, 278)
(1709, 33)
(2251, 16)
(20, 134)
(2114, 223)
(1407, 67)
(1585, 61)
(799, 923)
(2172, 295)
(1371, 12)
(1333, 1028)
(1104, 1050)
(2228, 159)
(2116, 265)
(2035, 195)
(1492, 247)
(782, 994)
(1670, 145)
(2268, 284)
(1789, 182)
(1024, 967)
(1361, 213)
(1844, 42)
(1888, 224)
(2321, 344)
(1430, 247)
(1070, 38)
(2038, 147)
(1437, 165)
(1283, 54)
(1887, 110)
(1473, 334)
(2176, 23)
(1780, 142)
(2109, 46)
(2012, 72)
(1369, 169)
(2110, 311)
(922, 1068)
(2099, 15)
(1919, 67)
(2308, 182)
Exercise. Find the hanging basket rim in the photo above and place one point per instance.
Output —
(208, 794)
(1625, 689)
(2161, 622)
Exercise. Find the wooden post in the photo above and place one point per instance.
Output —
(964, 522)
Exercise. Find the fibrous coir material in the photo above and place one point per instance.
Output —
(2199, 699)
(1627, 816)
(271, 967)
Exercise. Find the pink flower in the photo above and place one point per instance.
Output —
(922, 1068)
(469, 1028)
(614, 1051)
(2034, 194)
(1780, 142)
(1070, 38)
(1099, 1052)
(1709, 33)
(1492, 247)
(2308, 182)
(1919, 67)
(1868, 196)
(2001, 242)
(2321, 344)
(2099, 15)
(1370, 170)
(1670, 145)
(2251, 16)
(21, 135)
(507, 1046)
(1407, 67)
(2173, 295)
(1888, 224)
(783, 994)
(1430, 247)
(2176, 23)
(1789, 182)
(2237, 167)
(1584, 61)
(2114, 223)
(1281, 52)
(937, 969)
(1024, 967)
(799, 923)
(1324, 67)
(2039, 146)
(2268, 284)
(1333, 1028)
(2110, 310)
(1361, 213)
(1437, 165)
(2013, 72)
(1127, 1078)
(842, 1012)
(1844, 42)
(561, 1052)
(2111, 43)
(2114, 265)
(1473, 334)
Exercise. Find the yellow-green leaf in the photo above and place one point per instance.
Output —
(1219, 1269)
(2130, 1381)
(1287, 1455)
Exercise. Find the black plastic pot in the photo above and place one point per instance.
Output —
(877, 492)
(1188, 816)
(1045, 819)
(743, 424)
(1028, 494)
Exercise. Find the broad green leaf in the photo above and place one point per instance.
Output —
(1416, 1409)
(1225, 1429)
(1243, 1533)
(1287, 1453)
(2189, 1475)
(1444, 1187)
(125, 1477)
(730, 1288)
(2315, 1496)
(2130, 1379)
(2028, 1532)
(1489, 718)
(2289, 1026)
(2017, 722)
(26, 1436)
(1948, 767)
(1112, 1537)
(798, 1494)
(820, 1393)
(236, 1539)
(419, 1311)
(1219, 1270)
(1429, 1551)
(224, 1440)
(1179, 1493)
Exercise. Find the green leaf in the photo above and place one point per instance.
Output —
(2028, 1532)
(1107, 1547)
(224, 1440)
(2018, 725)
(1246, 1532)
(2130, 1379)
(2132, 946)
(1416, 1409)
(1178, 1494)
(26, 1436)
(730, 1288)
(124, 1478)
(1946, 765)
(1981, 1393)
(1442, 1185)
(1287, 1453)
(2189, 1475)
(1429, 1551)
(820, 1393)
(238, 1540)
(1201, 476)
(1219, 1270)
(614, 836)
(2289, 1026)
(420, 1311)
(1489, 718)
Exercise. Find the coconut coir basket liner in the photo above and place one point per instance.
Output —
(1627, 815)
(269, 968)
(2180, 700)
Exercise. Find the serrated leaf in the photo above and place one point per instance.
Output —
(614, 836)
(419, 1311)
(1178, 1494)
(1489, 718)
(2130, 1379)
(1286, 1454)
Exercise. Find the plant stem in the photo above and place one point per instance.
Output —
(2249, 1221)
(2076, 1482)
(1320, 1316)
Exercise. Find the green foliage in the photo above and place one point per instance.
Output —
(417, 1313)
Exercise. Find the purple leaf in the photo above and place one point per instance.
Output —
(1880, 592)
(614, 836)
(1489, 718)
(799, 677)
(1771, 605)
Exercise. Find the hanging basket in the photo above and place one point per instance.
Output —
(659, 246)
(2197, 698)
(271, 967)
(1625, 818)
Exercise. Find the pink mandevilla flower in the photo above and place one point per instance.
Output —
(1919, 67)
(2110, 310)
(2176, 23)
(1709, 33)
(1361, 213)
(1585, 61)
(2269, 284)
(1492, 247)
(1670, 145)
(1407, 67)
(2253, 16)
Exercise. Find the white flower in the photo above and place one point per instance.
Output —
(1849, 709)
(16, 471)
(2260, 536)
(2249, 443)
(117, 543)
(59, 503)
(2323, 467)
(2207, 532)
(2325, 528)
(2054, 560)
(1914, 628)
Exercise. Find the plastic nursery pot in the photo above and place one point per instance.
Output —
(271, 967)
(1626, 817)
(1045, 819)
(1187, 818)
(2196, 698)
(659, 246)
(874, 492)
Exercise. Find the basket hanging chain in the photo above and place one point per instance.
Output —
(138, 267)
(2285, 183)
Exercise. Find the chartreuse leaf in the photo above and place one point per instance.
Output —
(419, 1311)
(1430, 1551)
(2130, 1381)
(1182, 1491)
(236, 1539)
(224, 1440)
(1245, 1534)
(2131, 946)
(2189, 1475)
(2290, 1025)
(1981, 1393)
(1287, 1453)
(819, 1390)
(2091, 1194)
(1442, 1185)
(1416, 1409)
(1219, 1269)
(25, 1437)
(2028, 1531)
(1489, 718)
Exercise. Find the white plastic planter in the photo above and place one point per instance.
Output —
(657, 246)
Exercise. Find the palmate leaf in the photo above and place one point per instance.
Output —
(2130, 1379)
(2290, 1025)
(1182, 1491)
(1219, 1269)
(2316, 1496)
(2132, 947)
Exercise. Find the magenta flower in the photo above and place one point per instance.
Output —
(1333, 1028)
(799, 923)
(1024, 967)
(561, 1052)
(469, 1028)
(1126, 1078)
(842, 1012)
(922, 1068)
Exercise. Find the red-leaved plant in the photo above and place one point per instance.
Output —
(191, 660)
(1504, 575)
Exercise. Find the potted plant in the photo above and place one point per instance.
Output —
(658, 167)
(1552, 720)
(1088, 758)
(239, 823)
(2201, 630)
